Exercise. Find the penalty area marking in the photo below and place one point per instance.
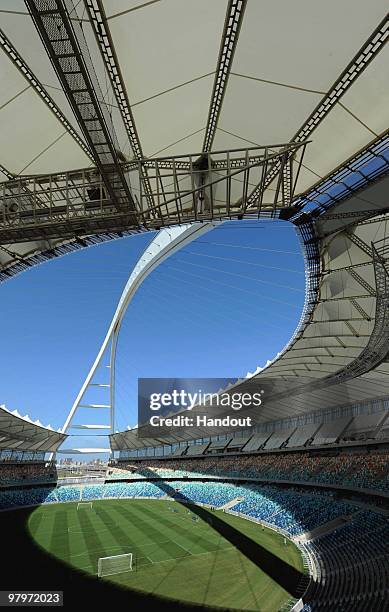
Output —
(85, 531)
(209, 552)
(183, 548)
(87, 552)
(112, 549)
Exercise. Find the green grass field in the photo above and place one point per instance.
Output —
(175, 556)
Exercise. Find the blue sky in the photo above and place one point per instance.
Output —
(219, 308)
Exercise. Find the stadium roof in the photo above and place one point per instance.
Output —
(205, 76)
(289, 59)
(198, 76)
(339, 353)
(20, 433)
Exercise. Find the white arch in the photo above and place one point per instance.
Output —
(166, 242)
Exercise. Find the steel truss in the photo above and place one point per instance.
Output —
(358, 64)
(356, 167)
(377, 349)
(185, 189)
(6, 172)
(67, 49)
(34, 82)
(232, 25)
(103, 37)
(311, 250)
(21, 263)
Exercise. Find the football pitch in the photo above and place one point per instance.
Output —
(183, 553)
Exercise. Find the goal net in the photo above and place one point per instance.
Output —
(107, 566)
(86, 505)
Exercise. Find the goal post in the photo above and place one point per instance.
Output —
(117, 564)
(85, 505)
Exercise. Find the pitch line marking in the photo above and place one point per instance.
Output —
(86, 552)
(183, 548)
(209, 552)
(92, 552)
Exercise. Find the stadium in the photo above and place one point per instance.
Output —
(239, 151)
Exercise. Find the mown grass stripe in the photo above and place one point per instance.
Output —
(110, 545)
(127, 521)
(190, 535)
(116, 530)
(60, 533)
(94, 546)
(41, 526)
(148, 529)
(223, 577)
(35, 522)
(143, 551)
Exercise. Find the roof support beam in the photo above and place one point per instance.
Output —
(34, 82)
(66, 47)
(337, 320)
(374, 151)
(6, 172)
(314, 347)
(22, 190)
(366, 217)
(362, 281)
(361, 310)
(376, 349)
(360, 243)
(332, 336)
(76, 203)
(347, 297)
(14, 256)
(351, 328)
(232, 25)
(104, 40)
(350, 74)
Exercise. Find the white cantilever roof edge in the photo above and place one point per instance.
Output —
(20, 433)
